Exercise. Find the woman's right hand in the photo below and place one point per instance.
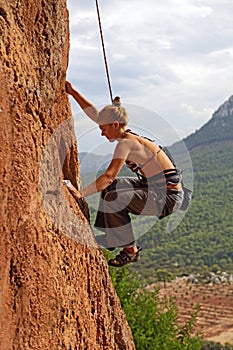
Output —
(69, 88)
(90, 110)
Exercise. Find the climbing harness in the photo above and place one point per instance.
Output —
(104, 52)
(168, 174)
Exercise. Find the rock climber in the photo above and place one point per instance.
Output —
(157, 191)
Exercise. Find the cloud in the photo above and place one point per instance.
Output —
(163, 56)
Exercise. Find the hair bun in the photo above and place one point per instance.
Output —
(116, 101)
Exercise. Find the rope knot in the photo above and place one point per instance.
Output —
(117, 101)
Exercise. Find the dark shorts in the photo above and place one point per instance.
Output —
(130, 195)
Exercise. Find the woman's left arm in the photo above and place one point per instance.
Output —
(104, 180)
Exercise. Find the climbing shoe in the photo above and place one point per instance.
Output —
(124, 258)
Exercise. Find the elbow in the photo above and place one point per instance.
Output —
(109, 179)
(93, 113)
(104, 181)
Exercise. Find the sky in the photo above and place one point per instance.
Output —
(171, 62)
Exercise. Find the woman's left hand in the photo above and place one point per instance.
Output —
(76, 194)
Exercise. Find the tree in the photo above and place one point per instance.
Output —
(153, 321)
(215, 268)
(164, 275)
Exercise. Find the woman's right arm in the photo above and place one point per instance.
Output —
(90, 110)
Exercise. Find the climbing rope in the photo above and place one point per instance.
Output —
(104, 52)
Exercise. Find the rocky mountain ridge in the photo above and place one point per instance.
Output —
(225, 110)
(219, 128)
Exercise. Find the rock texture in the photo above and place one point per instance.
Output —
(55, 291)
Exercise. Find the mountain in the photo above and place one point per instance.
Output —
(218, 128)
(90, 162)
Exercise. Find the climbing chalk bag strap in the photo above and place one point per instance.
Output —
(187, 198)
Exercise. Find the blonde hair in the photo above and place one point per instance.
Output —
(112, 113)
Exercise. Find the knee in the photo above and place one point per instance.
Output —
(108, 189)
(110, 196)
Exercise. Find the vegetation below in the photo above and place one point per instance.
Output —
(210, 345)
(153, 321)
(154, 317)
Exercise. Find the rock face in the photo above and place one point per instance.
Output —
(225, 110)
(55, 291)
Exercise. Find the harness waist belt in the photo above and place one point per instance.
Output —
(172, 175)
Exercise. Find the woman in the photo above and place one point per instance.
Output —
(156, 192)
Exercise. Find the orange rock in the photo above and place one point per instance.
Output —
(55, 291)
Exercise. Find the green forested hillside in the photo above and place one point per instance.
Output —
(205, 236)
(216, 130)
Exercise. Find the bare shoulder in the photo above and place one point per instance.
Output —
(125, 142)
(122, 149)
